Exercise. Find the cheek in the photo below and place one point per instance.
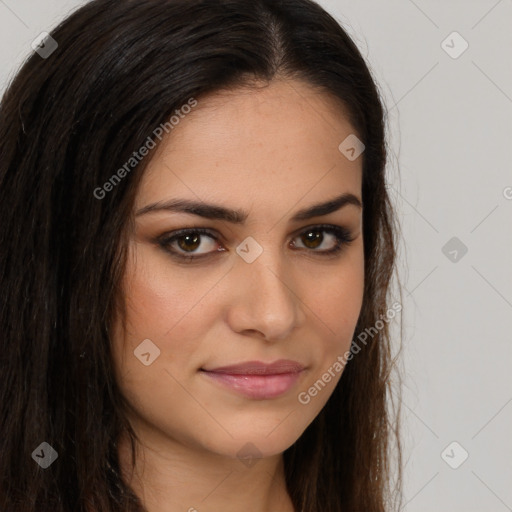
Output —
(169, 308)
(337, 298)
(164, 297)
(336, 305)
(172, 312)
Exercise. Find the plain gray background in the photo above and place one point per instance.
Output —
(450, 175)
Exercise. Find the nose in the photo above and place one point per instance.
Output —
(265, 299)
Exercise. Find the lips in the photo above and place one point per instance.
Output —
(258, 368)
(257, 380)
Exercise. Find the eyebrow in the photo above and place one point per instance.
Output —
(216, 212)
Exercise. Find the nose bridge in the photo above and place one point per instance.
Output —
(266, 301)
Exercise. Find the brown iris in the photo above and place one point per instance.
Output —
(189, 242)
(312, 239)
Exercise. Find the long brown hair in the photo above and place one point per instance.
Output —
(68, 122)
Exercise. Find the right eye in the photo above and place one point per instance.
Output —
(185, 243)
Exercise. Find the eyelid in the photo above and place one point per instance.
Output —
(319, 227)
(167, 238)
(342, 233)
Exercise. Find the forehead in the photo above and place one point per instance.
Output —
(255, 142)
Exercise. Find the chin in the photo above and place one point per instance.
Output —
(259, 440)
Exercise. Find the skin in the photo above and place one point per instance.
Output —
(270, 151)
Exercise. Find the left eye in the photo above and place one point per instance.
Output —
(186, 242)
(314, 238)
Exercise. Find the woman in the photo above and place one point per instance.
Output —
(198, 231)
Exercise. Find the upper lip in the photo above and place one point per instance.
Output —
(259, 368)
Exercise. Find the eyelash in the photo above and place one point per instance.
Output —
(342, 235)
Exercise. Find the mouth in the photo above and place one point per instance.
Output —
(257, 380)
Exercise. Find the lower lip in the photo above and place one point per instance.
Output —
(259, 387)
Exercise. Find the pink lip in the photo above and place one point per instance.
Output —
(256, 379)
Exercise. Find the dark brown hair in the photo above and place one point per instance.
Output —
(67, 124)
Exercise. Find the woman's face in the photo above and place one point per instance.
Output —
(263, 286)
